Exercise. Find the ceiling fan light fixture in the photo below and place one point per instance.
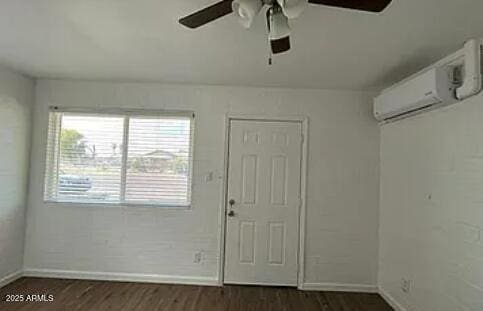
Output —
(246, 11)
(279, 31)
(292, 8)
(277, 15)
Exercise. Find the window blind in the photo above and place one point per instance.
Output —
(119, 158)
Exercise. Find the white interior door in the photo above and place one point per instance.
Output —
(262, 226)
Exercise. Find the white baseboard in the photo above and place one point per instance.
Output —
(10, 278)
(172, 279)
(355, 288)
(391, 301)
(340, 287)
(121, 277)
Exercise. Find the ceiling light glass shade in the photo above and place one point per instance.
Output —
(279, 32)
(279, 27)
(292, 8)
(246, 11)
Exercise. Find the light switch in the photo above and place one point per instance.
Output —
(209, 177)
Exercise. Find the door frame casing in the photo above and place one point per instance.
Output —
(304, 121)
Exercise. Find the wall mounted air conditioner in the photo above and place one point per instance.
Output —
(429, 90)
(436, 86)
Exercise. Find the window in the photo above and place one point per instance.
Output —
(119, 158)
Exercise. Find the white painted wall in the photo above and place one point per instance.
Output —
(431, 220)
(343, 187)
(16, 98)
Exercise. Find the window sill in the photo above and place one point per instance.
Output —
(118, 205)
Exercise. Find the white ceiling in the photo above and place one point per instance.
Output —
(140, 40)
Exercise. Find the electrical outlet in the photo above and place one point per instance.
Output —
(197, 258)
(405, 285)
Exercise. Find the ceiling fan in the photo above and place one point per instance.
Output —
(277, 14)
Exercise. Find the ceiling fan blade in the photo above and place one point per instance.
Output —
(362, 5)
(207, 14)
(280, 45)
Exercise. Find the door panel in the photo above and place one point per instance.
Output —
(276, 245)
(247, 242)
(249, 178)
(278, 182)
(264, 183)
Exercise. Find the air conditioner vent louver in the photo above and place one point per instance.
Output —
(409, 113)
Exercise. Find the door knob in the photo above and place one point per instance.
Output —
(231, 214)
(231, 202)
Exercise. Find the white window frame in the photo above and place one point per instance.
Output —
(51, 175)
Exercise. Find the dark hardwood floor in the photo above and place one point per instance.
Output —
(97, 295)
